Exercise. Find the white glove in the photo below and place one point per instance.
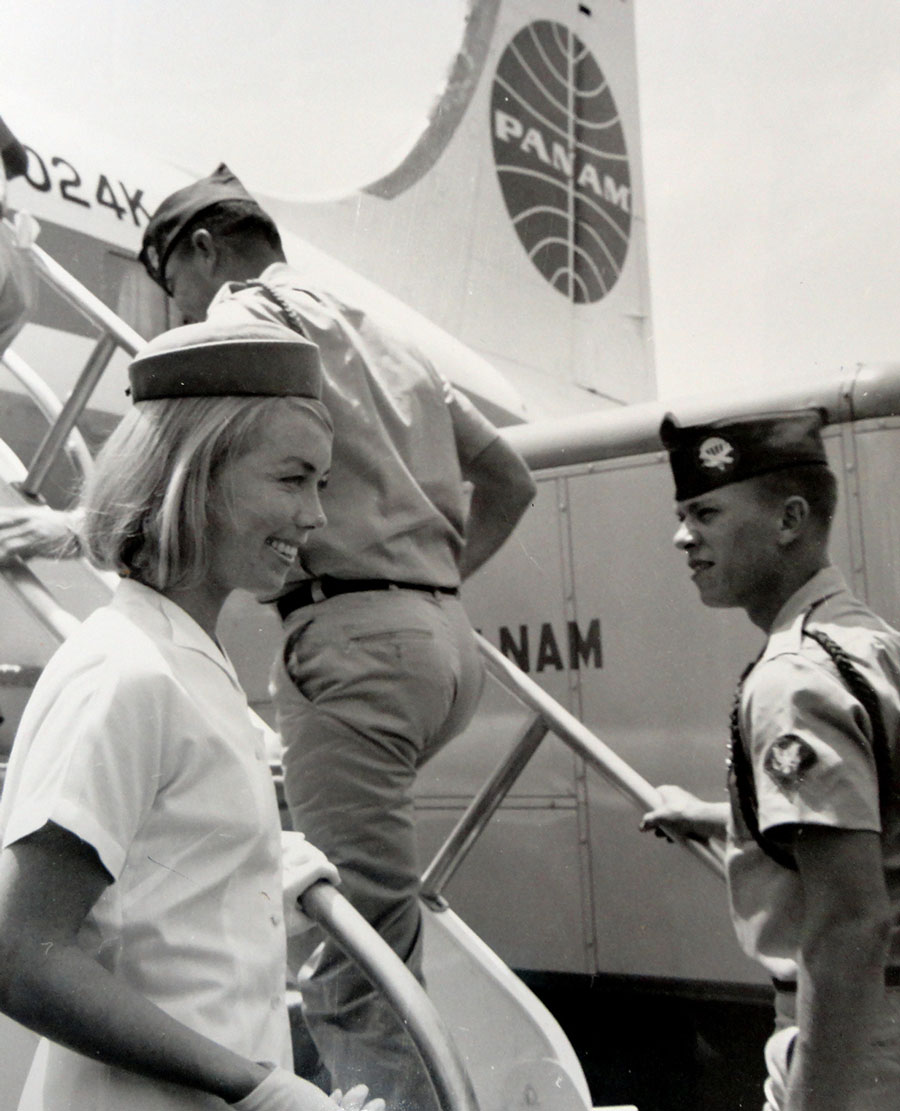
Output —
(357, 1099)
(302, 864)
(282, 1091)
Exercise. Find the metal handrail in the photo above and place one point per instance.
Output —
(51, 407)
(549, 715)
(406, 996)
(74, 406)
(87, 303)
(114, 333)
(23, 581)
(479, 812)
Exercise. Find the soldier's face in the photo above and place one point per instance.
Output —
(730, 537)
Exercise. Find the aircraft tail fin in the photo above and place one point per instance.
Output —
(516, 221)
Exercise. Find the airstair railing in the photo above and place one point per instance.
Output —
(548, 716)
(114, 333)
(35, 597)
(325, 905)
(50, 405)
(58, 433)
(87, 303)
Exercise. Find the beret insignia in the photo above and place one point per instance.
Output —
(716, 454)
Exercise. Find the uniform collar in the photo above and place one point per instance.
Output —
(274, 269)
(228, 289)
(284, 273)
(169, 620)
(787, 628)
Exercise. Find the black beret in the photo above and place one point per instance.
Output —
(256, 358)
(178, 209)
(704, 457)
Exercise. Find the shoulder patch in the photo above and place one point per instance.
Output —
(788, 761)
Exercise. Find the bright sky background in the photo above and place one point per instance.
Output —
(771, 133)
(771, 136)
(253, 82)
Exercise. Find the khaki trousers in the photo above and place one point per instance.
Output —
(370, 686)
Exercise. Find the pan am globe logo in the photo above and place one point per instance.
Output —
(559, 149)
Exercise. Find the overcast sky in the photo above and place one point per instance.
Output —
(771, 135)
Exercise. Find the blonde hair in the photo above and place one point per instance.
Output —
(146, 502)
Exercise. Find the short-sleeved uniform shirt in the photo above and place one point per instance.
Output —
(139, 740)
(810, 745)
(395, 502)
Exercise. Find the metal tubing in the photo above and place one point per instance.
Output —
(50, 405)
(582, 741)
(481, 809)
(634, 429)
(84, 301)
(346, 926)
(115, 333)
(21, 579)
(58, 434)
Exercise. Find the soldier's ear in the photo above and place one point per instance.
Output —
(205, 250)
(794, 518)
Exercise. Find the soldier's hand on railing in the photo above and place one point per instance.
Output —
(302, 864)
(357, 1099)
(28, 531)
(683, 814)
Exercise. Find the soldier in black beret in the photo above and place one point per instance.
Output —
(812, 820)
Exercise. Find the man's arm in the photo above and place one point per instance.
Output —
(844, 941)
(684, 814)
(502, 490)
(27, 532)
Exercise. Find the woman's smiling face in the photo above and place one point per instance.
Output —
(266, 501)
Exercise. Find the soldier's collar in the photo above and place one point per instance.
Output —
(786, 633)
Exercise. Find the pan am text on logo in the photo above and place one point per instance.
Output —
(559, 149)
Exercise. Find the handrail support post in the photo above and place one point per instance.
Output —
(480, 811)
(55, 440)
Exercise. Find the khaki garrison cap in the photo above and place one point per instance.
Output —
(176, 212)
(256, 358)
